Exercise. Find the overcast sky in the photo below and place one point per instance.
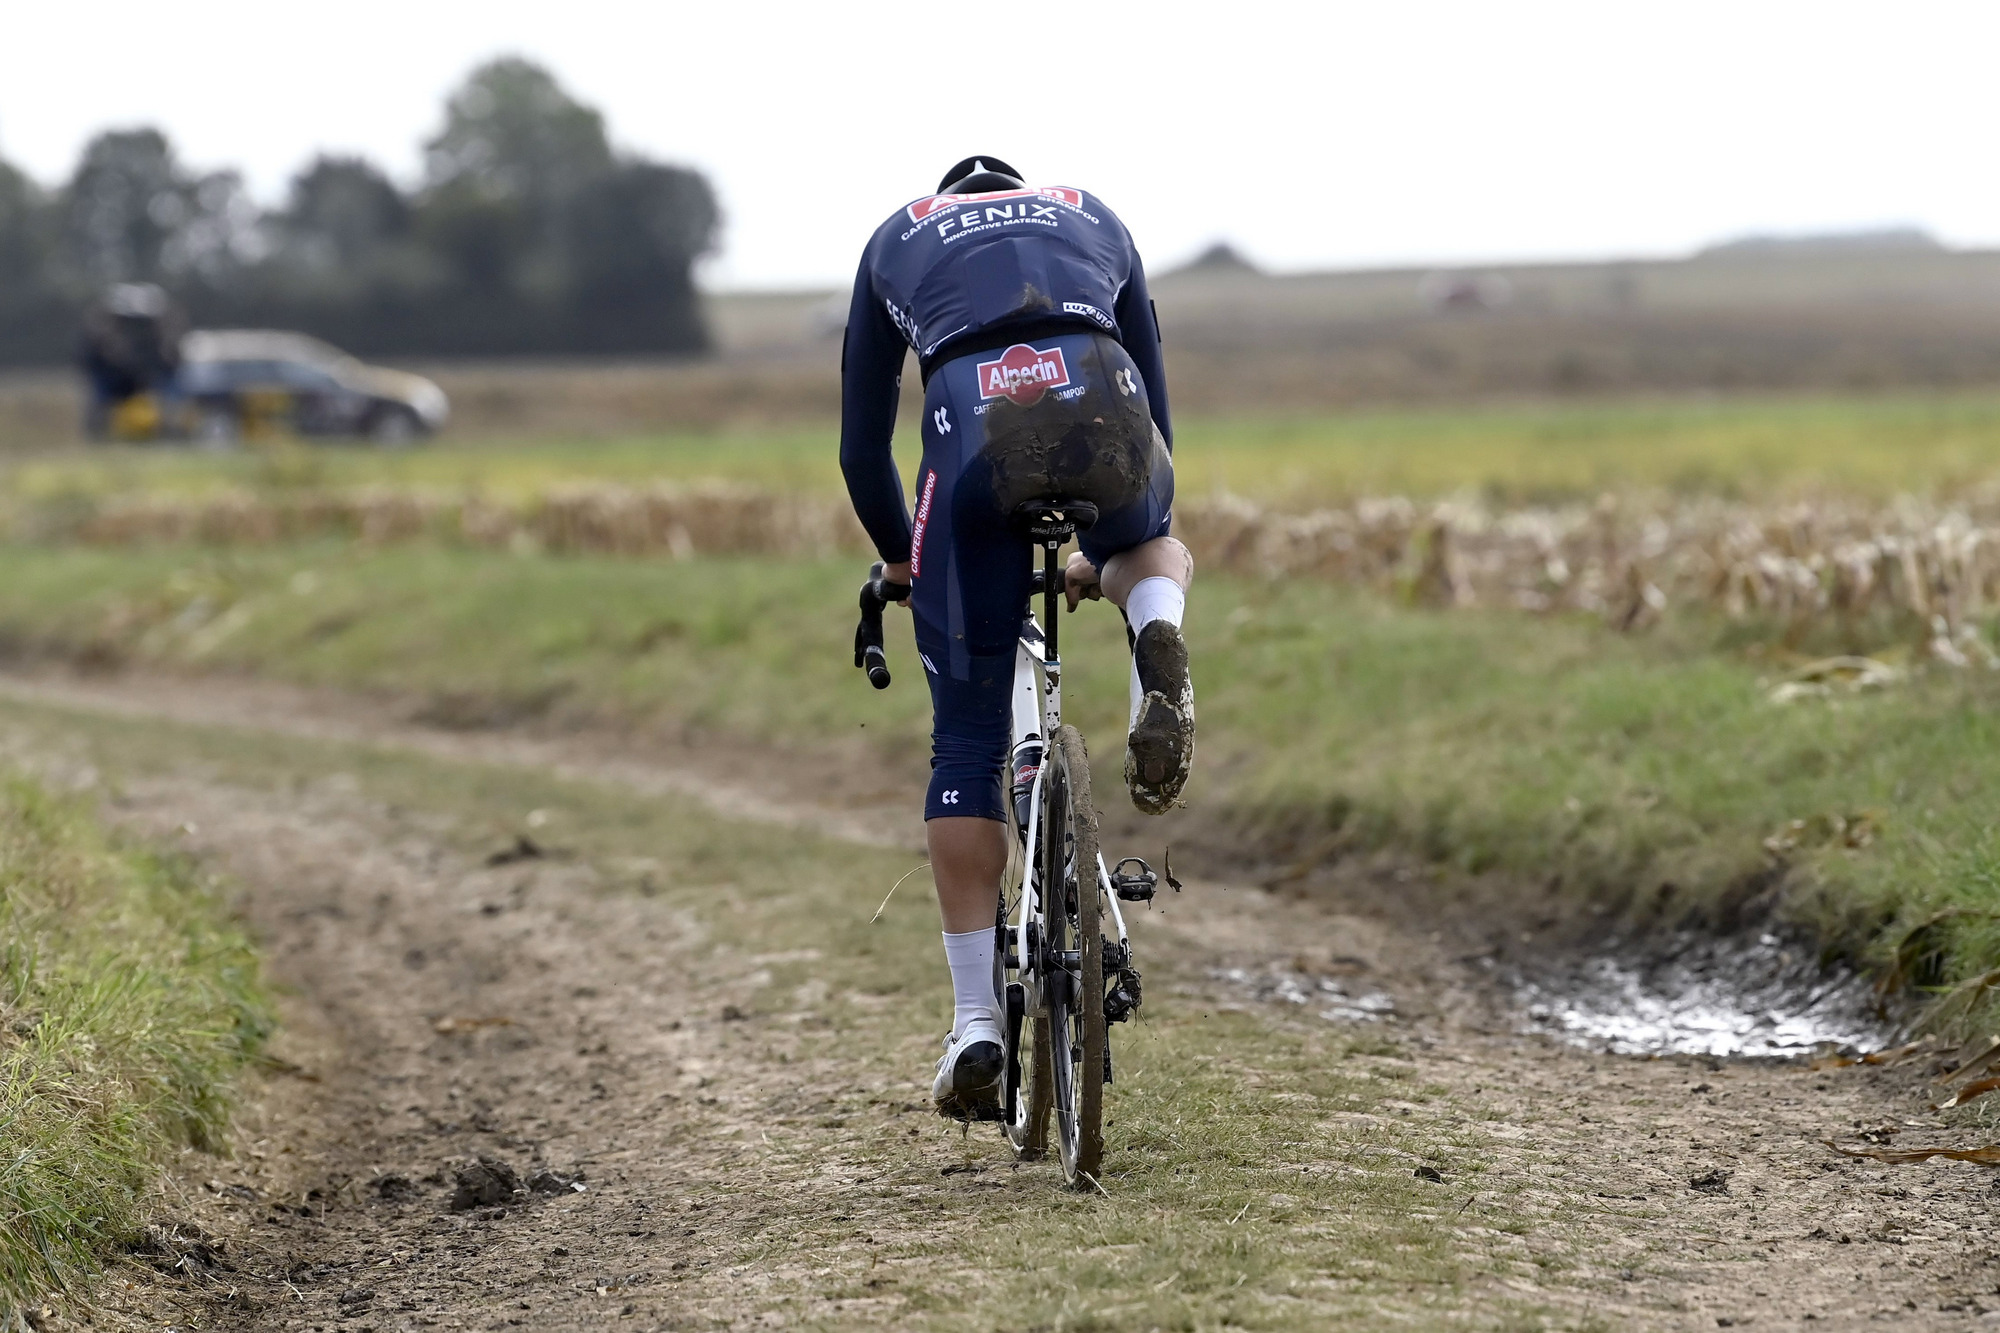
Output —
(1311, 135)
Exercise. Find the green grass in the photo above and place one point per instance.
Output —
(1761, 447)
(778, 459)
(1874, 446)
(129, 1002)
(1640, 773)
(1239, 1191)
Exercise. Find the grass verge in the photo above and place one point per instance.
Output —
(1651, 775)
(129, 1002)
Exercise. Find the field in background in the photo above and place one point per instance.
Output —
(1871, 448)
(1240, 342)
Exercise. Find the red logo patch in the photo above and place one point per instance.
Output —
(923, 520)
(1023, 374)
(923, 208)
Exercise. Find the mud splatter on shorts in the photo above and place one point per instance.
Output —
(1052, 417)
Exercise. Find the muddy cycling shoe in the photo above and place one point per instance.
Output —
(969, 1074)
(1160, 750)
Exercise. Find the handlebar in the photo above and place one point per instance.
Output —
(876, 594)
(1038, 584)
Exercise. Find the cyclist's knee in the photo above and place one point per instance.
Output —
(1162, 557)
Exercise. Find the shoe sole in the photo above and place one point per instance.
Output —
(1160, 750)
(1156, 756)
(1162, 659)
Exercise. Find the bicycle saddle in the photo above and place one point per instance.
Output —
(1053, 518)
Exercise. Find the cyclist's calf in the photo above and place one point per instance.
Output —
(968, 856)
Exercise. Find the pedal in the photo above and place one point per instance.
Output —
(1107, 1066)
(1134, 886)
(987, 1113)
(1124, 997)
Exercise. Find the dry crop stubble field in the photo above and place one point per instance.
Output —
(1407, 767)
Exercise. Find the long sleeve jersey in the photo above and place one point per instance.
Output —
(945, 273)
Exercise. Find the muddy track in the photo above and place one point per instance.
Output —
(440, 1009)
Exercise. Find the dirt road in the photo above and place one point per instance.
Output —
(682, 1128)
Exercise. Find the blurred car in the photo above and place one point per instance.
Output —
(239, 383)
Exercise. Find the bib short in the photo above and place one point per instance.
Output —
(1058, 417)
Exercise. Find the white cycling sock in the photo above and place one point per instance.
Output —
(1155, 598)
(971, 957)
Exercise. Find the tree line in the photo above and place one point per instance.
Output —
(528, 233)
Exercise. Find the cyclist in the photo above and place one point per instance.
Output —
(1040, 355)
(131, 345)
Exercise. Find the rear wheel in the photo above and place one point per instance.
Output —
(1028, 1127)
(1073, 984)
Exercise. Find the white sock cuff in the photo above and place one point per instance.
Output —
(970, 954)
(1155, 598)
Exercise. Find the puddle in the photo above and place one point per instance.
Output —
(1708, 997)
(1756, 997)
(1334, 999)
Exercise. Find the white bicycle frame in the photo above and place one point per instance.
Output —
(1037, 715)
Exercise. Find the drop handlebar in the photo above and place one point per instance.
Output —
(876, 594)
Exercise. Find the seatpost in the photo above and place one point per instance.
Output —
(1051, 588)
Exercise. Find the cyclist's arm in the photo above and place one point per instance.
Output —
(1139, 324)
(871, 369)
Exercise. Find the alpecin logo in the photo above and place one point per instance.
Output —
(1023, 374)
(937, 203)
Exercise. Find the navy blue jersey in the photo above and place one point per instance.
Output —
(950, 273)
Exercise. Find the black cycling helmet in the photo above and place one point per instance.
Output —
(979, 175)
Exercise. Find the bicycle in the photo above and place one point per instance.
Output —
(1065, 981)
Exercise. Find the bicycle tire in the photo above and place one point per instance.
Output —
(1075, 1008)
(1031, 1137)
(1027, 1126)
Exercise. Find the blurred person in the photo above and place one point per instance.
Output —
(131, 347)
(1039, 350)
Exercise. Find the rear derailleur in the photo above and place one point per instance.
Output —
(1124, 997)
